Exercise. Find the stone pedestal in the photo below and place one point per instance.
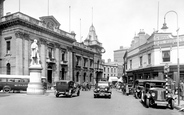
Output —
(35, 86)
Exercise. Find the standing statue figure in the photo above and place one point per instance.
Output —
(35, 59)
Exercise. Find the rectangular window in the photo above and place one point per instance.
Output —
(85, 62)
(166, 56)
(130, 64)
(149, 58)
(104, 69)
(141, 61)
(8, 47)
(78, 61)
(91, 63)
(50, 53)
(63, 55)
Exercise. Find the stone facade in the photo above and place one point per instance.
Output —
(55, 46)
(58, 49)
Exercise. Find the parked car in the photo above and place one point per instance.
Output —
(138, 87)
(154, 93)
(67, 88)
(102, 88)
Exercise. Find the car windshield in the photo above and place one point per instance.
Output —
(103, 84)
(157, 84)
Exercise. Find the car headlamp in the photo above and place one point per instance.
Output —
(98, 89)
(106, 89)
(153, 94)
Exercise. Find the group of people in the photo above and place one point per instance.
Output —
(123, 87)
(86, 86)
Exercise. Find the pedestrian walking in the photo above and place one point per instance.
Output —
(182, 89)
(127, 89)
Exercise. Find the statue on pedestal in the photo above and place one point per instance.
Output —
(35, 59)
(35, 86)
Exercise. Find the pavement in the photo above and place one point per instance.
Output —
(179, 107)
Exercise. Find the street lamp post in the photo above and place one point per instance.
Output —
(178, 65)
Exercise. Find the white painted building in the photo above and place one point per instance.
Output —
(148, 55)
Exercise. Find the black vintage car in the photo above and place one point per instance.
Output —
(155, 93)
(102, 88)
(67, 88)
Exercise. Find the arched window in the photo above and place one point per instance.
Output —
(8, 69)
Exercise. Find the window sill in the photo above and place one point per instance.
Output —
(8, 55)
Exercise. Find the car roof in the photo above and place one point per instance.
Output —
(64, 81)
(103, 82)
(155, 80)
(141, 80)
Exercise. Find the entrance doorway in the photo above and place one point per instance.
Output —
(49, 74)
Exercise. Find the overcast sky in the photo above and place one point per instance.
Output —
(116, 21)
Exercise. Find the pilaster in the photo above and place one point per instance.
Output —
(19, 53)
(43, 55)
(57, 57)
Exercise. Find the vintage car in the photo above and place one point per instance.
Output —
(67, 88)
(155, 93)
(138, 87)
(102, 88)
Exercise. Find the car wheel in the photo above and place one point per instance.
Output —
(110, 97)
(6, 89)
(57, 95)
(172, 104)
(147, 102)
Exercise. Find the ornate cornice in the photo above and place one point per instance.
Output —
(43, 41)
(22, 35)
(57, 45)
(19, 34)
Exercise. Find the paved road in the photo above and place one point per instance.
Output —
(85, 104)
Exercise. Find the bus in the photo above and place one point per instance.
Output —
(14, 83)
